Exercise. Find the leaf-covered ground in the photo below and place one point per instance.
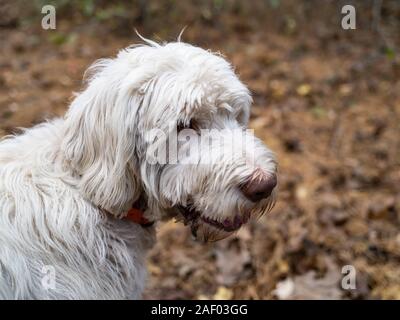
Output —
(326, 100)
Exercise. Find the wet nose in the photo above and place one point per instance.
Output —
(259, 186)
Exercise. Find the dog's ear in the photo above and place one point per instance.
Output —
(99, 144)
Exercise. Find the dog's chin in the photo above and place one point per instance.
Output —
(208, 229)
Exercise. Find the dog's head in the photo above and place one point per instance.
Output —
(168, 123)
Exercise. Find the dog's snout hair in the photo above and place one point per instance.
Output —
(66, 185)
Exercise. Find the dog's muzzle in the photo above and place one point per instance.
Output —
(258, 190)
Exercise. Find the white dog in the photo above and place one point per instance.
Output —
(78, 196)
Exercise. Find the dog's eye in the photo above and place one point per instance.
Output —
(191, 125)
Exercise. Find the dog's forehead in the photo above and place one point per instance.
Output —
(208, 80)
(193, 81)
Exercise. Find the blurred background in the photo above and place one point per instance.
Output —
(326, 100)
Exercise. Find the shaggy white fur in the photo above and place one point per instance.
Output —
(66, 185)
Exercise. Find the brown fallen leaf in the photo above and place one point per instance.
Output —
(223, 293)
(232, 256)
(309, 287)
(303, 90)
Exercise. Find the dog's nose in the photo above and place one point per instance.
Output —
(259, 186)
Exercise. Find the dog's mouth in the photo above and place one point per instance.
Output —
(206, 228)
(192, 216)
(209, 228)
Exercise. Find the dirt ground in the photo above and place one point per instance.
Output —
(326, 101)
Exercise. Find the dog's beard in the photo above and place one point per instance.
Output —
(209, 228)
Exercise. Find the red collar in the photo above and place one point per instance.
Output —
(136, 215)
